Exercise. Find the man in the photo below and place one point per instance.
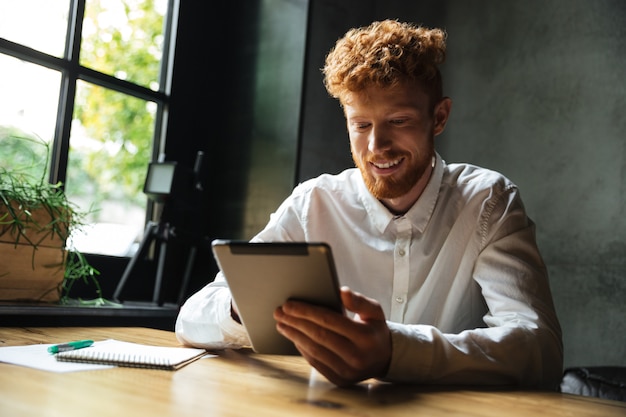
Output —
(442, 276)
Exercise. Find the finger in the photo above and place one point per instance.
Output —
(336, 332)
(297, 312)
(325, 361)
(307, 332)
(348, 350)
(358, 351)
(327, 371)
(318, 356)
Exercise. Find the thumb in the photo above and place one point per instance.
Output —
(367, 309)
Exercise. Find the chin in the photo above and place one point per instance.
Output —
(387, 188)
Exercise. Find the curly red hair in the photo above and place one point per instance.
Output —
(384, 54)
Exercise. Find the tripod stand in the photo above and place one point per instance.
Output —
(155, 231)
(160, 233)
(158, 187)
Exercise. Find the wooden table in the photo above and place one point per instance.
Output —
(242, 383)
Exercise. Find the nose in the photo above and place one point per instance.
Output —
(379, 139)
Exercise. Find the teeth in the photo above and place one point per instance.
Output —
(386, 164)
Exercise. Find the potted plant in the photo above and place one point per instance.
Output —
(36, 224)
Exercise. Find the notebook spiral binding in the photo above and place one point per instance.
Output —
(115, 358)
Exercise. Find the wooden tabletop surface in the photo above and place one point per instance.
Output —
(242, 383)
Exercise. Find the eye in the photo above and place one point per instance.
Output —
(397, 121)
(361, 125)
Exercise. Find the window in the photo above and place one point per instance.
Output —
(89, 79)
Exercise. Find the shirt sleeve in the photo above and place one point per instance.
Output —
(521, 343)
(205, 321)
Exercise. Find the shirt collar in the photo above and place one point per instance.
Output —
(419, 215)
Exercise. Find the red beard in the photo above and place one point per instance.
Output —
(399, 184)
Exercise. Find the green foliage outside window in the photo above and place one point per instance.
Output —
(112, 134)
(128, 48)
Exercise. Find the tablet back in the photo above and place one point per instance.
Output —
(262, 276)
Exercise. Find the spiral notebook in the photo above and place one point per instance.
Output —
(134, 355)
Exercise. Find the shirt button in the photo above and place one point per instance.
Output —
(399, 300)
(401, 252)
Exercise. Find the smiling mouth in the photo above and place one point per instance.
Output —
(386, 165)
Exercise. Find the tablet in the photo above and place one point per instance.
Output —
(262, 276)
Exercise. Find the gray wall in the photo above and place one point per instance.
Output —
(539, 92)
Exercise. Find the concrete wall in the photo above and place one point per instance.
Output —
(539, 91)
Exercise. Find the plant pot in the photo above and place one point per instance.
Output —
(32, 257)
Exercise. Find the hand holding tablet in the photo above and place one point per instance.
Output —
(262, 276)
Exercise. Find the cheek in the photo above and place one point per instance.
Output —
(416, 140)
(357, 145)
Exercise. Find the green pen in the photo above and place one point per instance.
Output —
(78, 344)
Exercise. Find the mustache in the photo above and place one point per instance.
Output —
(385, 156)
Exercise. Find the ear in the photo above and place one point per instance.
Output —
(441, 114)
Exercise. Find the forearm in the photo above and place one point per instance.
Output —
(507, 355)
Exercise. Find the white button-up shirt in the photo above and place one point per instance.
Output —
(459, 276)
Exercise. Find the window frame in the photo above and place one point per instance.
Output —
(71, 71)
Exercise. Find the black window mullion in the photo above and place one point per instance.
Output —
(61, 146)
(67, 94)
(24, 53)
(122, 86)
(165, 79)
(169, 34)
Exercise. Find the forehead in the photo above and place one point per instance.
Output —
(403, 95)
